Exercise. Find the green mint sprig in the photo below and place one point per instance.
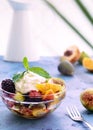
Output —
(26, 63)
(38, 70)
(84, 10)
(18, 76)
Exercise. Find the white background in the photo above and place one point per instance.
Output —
(49, 31)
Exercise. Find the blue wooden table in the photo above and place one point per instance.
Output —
(58, 120)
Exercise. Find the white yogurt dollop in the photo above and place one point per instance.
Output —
(28, 82)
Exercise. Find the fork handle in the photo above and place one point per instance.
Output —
(91, 127)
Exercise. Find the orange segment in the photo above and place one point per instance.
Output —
(88, 63)
(56, 87)
(49, 95)
(43, 87)
(46, 86)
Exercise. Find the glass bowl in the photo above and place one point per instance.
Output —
(32, 109)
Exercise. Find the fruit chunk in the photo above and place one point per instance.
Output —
(86, 98)
(66, 68)
(88, 63)
(49, 95)
(46, 86)
(55, 84)
(39, 111)
(26, 112)
(82, 56)
(56, 81)
(8, 85)
(35, 96)
(72, 54)
(42, 87)
(19, 97)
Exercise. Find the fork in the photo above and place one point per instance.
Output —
(76, 116)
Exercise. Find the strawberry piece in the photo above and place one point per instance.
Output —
(35, 96)
(34, 93)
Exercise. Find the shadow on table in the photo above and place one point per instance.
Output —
(49, 122)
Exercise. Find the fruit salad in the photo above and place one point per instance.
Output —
(32, 93)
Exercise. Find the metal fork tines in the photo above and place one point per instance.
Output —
(74, 113)
(76, 116)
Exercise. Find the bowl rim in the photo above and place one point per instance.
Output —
(29, 102)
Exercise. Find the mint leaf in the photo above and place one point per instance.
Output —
(40, 71)
(18, 76)
(26, 63)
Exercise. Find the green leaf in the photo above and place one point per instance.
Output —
(68, 23)
(40, 71)
(18, 76)
(85, 11)
(26, 63)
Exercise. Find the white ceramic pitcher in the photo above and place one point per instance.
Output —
(20, 43)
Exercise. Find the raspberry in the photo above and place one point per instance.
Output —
(8, 85)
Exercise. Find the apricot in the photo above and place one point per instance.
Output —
(72, 54)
